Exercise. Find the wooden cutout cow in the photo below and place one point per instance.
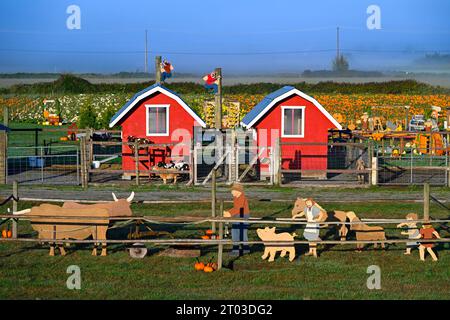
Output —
(76, 221)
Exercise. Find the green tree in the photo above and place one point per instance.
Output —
(340, 64)
(88, 117)
(106, 118)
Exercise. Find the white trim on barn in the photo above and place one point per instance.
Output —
(165, 134)
(302, 135)
(288, 94)
(167, 93)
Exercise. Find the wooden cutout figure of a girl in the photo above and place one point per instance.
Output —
(311, 233)
(428, 233)
(239, 231)
(412, 232)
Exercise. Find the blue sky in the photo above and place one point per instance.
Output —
(245, 36)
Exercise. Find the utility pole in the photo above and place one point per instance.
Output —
(337, 43)
(146, 54)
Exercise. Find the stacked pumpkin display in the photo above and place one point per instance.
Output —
(209, 267)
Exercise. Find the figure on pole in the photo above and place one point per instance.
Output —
(212, 82)
(166, 70)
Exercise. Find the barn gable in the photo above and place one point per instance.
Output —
(140, 96)
(272, 99)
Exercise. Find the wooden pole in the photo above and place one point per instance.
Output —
(3, 157)
(5, 116)
(136, 160)
(213, 199)
(426, 201)
(90, 133)
(158, 69)
(15, 202)
(220, 247)
(279, 162)
(218, 100)
(83, 161)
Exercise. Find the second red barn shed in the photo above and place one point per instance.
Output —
(161, 116)
(295, 118)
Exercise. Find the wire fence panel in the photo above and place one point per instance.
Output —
(322, 164)
(413, 169)
(44, 165)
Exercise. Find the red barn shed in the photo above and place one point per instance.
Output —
(161, 116)
(294, 117)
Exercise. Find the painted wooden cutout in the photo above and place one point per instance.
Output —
(412, 231)
(268, 234)
(427, 232)
(326, 216)
(366, 232)
(80, 227)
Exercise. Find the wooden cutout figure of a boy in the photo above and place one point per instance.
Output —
(239, 231)
(311, 233)
(428, 233)
(412, 232)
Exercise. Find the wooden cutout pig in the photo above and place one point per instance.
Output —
(268, 234)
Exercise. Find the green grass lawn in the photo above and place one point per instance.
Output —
(27, 272)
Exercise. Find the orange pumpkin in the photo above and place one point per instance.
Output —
(208, 269)
(199, 266)
(209, 232)
(206, 238)
(4, 233)
(9, 234)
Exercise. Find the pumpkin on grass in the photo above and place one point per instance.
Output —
(208, 269)
(4, 233)
(9, 234)
(199, 266)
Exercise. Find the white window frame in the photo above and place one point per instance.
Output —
(147, 107)
(282, 122)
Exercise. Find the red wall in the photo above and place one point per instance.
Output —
(316, 130)
(134, 124)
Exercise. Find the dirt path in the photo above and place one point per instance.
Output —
(324, 195)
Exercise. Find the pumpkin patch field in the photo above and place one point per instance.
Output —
(27, 272)
(30, 109)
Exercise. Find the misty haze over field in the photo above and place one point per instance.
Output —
(242, 37)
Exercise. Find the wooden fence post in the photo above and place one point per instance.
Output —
(82, 160)
(3, 157)
(15, 202)
(158, 69)
(5, 116)
(220, 247)
(84, 163)
(374, 171)
(218, 100)
(426, 201)
(278, 162)
(136, 160)
(213, 199)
